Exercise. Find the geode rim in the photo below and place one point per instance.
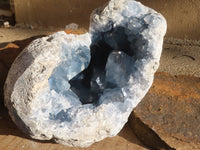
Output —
(37, 90)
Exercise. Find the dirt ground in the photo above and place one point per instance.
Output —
(12, 34)
(179, 57)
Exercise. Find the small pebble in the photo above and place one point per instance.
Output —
(6, 24)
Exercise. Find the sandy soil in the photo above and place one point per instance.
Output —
(179, 57)
(12, 34)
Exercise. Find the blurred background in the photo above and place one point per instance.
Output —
(182, 15)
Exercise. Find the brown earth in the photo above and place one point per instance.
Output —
(180, 57)
(169, 113)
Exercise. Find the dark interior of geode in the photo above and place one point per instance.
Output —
(89, 84)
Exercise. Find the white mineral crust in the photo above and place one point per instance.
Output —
(37, 90)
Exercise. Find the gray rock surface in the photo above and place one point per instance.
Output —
(80, 89)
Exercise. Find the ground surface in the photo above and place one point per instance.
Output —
(170, 110)
(181, 57)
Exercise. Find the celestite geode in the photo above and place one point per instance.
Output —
(80, 89)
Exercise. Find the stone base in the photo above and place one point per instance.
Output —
(168, 116)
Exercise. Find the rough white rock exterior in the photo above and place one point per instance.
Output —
(37, 90)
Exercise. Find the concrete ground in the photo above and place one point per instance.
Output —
(179, 57)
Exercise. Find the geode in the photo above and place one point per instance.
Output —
(80, 89)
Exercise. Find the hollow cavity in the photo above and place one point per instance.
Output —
(119, 44)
